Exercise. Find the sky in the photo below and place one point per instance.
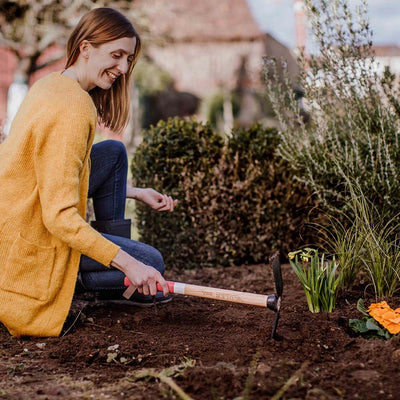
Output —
(276, 18)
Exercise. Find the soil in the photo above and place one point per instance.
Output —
(210, 349)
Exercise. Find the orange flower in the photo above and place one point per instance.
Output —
(386, 316)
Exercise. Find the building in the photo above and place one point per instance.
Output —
(206, 46)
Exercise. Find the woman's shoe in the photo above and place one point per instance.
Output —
(137, 299)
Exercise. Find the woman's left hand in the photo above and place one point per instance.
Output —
(155, 200)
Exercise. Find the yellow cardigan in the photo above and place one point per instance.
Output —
(44, 175)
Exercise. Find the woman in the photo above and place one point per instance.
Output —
(44, 180)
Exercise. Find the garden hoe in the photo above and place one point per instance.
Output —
(272, 301)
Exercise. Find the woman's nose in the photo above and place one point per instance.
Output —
(123, 66)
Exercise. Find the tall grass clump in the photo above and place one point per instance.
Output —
(365, 243)
(379, 245)
(353, 125)
(342, 237)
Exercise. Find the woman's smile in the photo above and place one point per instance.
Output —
(112, 76)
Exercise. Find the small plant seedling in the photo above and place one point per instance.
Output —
(319, 277)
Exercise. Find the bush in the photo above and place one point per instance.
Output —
(169, 153)
(237, 199)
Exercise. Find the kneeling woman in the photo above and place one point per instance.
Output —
(48, 167)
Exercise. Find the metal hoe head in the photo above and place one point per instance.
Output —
(274, 301)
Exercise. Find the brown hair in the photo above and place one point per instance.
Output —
(99, 26)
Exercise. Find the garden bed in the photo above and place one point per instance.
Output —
(225, 348)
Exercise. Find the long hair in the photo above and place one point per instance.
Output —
(99, 26)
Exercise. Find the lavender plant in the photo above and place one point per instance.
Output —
(353, 131)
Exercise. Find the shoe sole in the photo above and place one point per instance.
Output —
(134, 303)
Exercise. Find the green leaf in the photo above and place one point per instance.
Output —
(371, 325)
(361, 308)
(358, 325)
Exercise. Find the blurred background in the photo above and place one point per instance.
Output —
(200, 58)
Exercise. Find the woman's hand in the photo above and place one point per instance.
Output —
(142, 276)
(155, 200)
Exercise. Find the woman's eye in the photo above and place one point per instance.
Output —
(116, 55)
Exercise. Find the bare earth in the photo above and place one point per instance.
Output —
(210, 349)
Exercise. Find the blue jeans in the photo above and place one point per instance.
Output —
(107, 188)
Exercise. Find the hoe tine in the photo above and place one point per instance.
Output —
(276, 269)
(275, 325)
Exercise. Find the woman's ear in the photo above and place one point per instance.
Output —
(84, 48)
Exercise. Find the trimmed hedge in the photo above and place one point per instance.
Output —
(237, 200)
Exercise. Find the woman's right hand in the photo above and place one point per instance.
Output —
(142, 276)
(152, 198)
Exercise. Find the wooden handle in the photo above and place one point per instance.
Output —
(226, 295)
(232, 296)
(207, 292)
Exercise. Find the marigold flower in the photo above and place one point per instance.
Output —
(393, 328)
(386, 316)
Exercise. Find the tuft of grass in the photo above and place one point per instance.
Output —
(250, 377)
(362, 239)
(380, 257)
(378, 243)
(166, 376)
(343, 239)
(291, 381)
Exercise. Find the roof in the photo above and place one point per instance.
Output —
(386, 50)
(201, 21)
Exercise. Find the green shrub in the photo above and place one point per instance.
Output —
(237, 199)
(169, 153)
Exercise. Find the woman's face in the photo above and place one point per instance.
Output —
(108, 61)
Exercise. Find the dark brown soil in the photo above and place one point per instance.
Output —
(226, 349)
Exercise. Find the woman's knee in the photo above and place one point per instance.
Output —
(145, 253)
(118, 148)
(154, 258)
(158, 261)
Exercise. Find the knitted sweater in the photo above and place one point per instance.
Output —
(44, 175)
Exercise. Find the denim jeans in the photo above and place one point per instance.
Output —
(107, 181)
(107, 188)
